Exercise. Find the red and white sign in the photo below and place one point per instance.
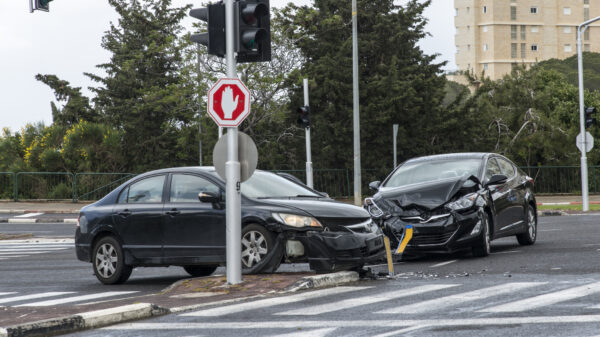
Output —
(229, 102)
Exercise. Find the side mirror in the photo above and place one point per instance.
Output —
(374, 185)
(496, 179)
(209, 197)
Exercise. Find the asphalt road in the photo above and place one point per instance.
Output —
(549, 289)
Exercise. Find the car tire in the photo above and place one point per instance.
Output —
(530, 234)
(483, 248)
(199, 271)
(109, 261)
(261, 252)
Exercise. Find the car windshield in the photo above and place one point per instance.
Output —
(424, 171)
(269, 185)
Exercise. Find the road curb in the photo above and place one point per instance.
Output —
(38, 220)
(87, 320)
(323, 280)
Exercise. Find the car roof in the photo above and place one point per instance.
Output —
(451, 156)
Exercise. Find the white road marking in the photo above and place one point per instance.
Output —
(394, 323)
(442, 264)
(269, 302)
(33, 296)
(453, 300)
(310, 333)
(365, 300)
(21, 252)
(30, 249)
(28, 215)
(36, 246)
(4, 294)
(546, 299)
(76, 299)
(401, 331)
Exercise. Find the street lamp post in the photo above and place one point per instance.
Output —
(584, 167)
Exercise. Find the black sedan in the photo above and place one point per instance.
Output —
(177, 217)
(455, 202)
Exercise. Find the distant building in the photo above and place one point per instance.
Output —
(496, 35)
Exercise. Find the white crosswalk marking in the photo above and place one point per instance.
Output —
(269, 302)
(310, 333)
(546, 299)
(76, 299)
(453, 300)
(33, 296)
(4, 294)
(28, 215)
(365, 300)
(17, 249)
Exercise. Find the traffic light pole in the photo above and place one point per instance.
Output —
(233, 200)
(309, 169)
(584, 166)
(356, 114)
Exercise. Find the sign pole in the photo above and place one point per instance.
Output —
(309, 169)
(233, 201)
(395, 127)
(356, 113)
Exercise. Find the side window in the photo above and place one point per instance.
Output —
(123, 196)
(147, 190)
(492, 169)
(185, 187)
(506, 167)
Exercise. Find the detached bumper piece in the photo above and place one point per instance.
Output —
(336, 251)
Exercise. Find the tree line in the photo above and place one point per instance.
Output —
(150, 101)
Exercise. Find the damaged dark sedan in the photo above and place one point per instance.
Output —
(177, 217)
(455, 202)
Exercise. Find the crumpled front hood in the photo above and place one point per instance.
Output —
(428, 195)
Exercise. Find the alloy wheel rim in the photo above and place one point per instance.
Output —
(106, 260)
(531, 220)
(254, 248)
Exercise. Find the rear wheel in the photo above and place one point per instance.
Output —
(260, 251)
(529, 236)
(483, 248)
(198, 271)
(109, 261)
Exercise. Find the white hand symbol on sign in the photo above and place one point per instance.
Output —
(227, 103)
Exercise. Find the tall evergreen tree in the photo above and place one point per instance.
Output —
(77, 107)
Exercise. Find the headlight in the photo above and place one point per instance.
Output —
(297, 220)
(372, 208)
(463, 203)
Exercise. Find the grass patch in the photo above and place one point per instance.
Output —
(593, 207)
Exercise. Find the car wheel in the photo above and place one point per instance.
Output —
(529, 236)
(261, 253)
(109, 262)
(483, 248)
(198, 271)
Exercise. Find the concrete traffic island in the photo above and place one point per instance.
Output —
(184, 295)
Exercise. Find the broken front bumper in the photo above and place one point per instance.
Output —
(335, 251)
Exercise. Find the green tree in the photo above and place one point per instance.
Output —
(398, 82)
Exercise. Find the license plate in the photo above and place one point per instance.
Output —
(375, 243)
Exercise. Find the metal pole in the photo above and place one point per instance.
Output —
(220, 131)
(584, 168)
(356, 114)
(309, 170)
(199, 116)
(395, 143)
(233, 208)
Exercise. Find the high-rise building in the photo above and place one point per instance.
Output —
(492, 36)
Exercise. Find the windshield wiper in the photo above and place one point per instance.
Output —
(308, 196)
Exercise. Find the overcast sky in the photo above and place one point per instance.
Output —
(66, 42)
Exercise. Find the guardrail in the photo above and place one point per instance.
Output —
(335, 182)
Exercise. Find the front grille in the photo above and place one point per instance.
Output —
(430, 239)
(335, 224)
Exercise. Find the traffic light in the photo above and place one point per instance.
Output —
(41, 5)
(589, 118)
(304, 118)
(253, 31)
(214, 39)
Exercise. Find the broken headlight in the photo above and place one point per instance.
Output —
(294, 220)
(463, 203)
(372, 208)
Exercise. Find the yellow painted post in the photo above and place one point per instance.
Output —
(406, 236)
(388, 252)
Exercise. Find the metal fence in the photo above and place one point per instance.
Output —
(338, 183)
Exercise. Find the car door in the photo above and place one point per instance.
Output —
(515, 196)
(499, 196)
(194, 230)
(138, 218)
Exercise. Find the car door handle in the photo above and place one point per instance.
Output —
(125, 213)
(173, 212)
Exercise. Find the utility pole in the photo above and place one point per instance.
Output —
(356, 114)
(584, 167)
(199, 115)
(309, 169)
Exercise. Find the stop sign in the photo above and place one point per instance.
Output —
(228, 102)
